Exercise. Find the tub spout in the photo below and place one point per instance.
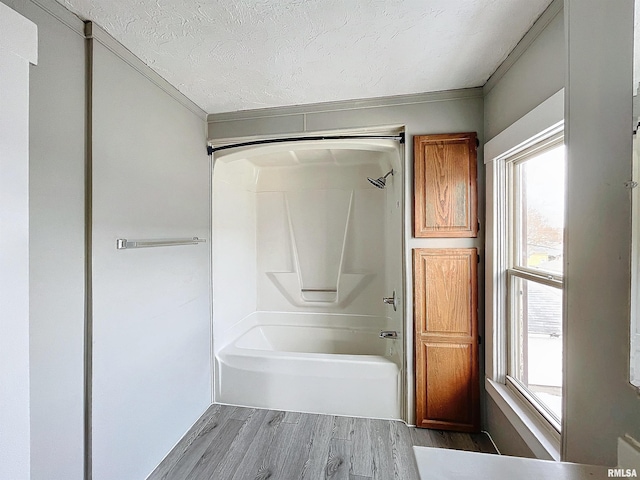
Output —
(388, 334)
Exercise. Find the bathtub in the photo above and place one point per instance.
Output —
(317, 363)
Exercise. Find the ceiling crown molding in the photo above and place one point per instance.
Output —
(389, 101)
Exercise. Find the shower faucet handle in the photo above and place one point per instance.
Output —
(393, 300)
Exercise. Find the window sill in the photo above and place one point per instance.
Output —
(538, 436)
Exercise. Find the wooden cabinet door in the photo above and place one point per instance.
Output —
(445, 190)
(446, 338)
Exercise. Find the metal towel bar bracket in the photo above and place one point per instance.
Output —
(123, 243)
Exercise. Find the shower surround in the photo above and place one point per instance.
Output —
(304, 250)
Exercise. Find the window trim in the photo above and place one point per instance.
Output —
(543, 440)
(544, 121)
(546, 278)
(545, 143)
(543, 412)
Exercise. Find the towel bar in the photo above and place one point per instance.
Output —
(123, 243)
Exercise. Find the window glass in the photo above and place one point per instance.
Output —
(537, 340)
(540, 211)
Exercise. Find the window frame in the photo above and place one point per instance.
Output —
(515, 270)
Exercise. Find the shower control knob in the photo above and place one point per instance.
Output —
(393, 300)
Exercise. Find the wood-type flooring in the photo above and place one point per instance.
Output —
(236, 443)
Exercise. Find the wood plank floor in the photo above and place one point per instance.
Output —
(236, 443)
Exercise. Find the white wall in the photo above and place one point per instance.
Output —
(151, 319)
(503, 433)
(18, 47)
(534, 71)
(600, 405)
(56, 242)
(56, 245)
(442, 112)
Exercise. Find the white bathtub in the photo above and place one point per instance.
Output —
(318, 363)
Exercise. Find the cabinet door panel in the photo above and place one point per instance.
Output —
(445, 193)
(449, 393)
(447, 295)
(447, 383)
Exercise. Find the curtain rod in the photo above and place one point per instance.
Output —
(400, 138)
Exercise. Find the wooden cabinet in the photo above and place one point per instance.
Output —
(446, 283)
(445, 191)
(446, 338)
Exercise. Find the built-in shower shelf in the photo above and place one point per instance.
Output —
(349, 286)
(319, 294)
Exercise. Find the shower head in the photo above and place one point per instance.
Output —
(380, 182)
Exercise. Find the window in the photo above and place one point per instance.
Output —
(534, 227)
(525, 171)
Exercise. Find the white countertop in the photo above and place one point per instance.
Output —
(445, 464)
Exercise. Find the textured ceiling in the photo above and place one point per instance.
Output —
(229, 55)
